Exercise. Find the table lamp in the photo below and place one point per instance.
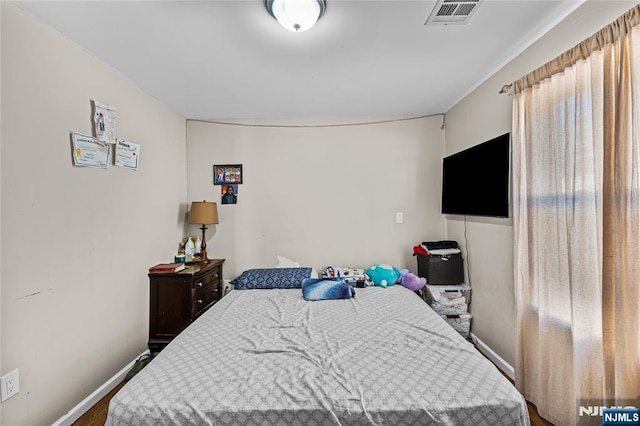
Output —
(203, 213)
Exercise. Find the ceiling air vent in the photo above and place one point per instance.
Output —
(453, 12)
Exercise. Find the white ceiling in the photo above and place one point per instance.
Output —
(232, 60)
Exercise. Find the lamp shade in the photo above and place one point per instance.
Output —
(203, 213)
(296, 15)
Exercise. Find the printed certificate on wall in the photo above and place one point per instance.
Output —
(127, 155)
(89, 151)
(104, 122)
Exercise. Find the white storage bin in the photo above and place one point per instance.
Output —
(460, 323)
(449, 299)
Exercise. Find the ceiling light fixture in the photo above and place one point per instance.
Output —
(296, 15)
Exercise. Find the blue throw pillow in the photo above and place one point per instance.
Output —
(326, 289)
(271, 278)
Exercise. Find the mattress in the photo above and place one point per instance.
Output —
(262, 357)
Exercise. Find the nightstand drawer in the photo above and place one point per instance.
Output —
(207, 289)
(212, 277)
(203, 298)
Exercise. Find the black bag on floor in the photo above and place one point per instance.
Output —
(140, 363)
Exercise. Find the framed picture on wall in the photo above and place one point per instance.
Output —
(229, 194)
(224, 174)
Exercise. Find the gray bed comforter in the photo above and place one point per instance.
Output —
(268, 357)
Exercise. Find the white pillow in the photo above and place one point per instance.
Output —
(284, 262)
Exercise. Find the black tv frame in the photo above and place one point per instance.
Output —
(476, 181)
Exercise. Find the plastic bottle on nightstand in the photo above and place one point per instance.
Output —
(189, 250)
(198, 246)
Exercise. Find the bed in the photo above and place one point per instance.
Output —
(267, 356)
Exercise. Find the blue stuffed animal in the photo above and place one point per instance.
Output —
(383, 275)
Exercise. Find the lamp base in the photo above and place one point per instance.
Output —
(203, 253)
(203, 248)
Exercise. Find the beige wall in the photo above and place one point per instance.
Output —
(1, 370)
(485, 114)
(321, 196)
(76, 242)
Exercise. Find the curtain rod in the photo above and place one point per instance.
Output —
(506, 89)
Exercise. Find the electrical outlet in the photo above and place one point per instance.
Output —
(399, 217)
(10, 384)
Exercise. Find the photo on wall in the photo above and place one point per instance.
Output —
(229, 194)
(224, 174)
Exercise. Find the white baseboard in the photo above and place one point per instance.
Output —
(76, 412)
(495, 358)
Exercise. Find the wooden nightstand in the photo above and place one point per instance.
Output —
(177, 299)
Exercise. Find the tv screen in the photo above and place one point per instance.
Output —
(475, 181)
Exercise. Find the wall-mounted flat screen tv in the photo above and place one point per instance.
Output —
(475, 181)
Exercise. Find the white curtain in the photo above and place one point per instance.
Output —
(576, 196)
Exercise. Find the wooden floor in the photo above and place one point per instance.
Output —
(536, 420)
(97, 415)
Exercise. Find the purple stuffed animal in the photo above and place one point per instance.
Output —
(409, 280)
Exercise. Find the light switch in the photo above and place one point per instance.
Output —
(399, 217)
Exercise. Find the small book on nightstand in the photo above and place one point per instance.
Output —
(167, 267)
